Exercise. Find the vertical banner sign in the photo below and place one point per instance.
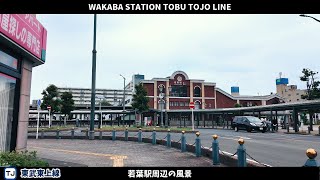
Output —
(27, 31)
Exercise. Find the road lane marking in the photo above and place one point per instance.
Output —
(243, 137)
(117, 159)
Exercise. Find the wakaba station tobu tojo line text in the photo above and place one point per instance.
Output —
(159, 7)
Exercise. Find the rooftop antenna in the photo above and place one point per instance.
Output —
(280, 74)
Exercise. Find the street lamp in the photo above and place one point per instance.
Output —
(93, 82)
(163, 101)
(303, 15)
(124, 96)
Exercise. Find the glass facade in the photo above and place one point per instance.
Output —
(7, 93)
(8, 60)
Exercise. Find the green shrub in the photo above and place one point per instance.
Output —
(21, 159)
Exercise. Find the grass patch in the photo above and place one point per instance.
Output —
(52, 128)
(147, 128)
(21, 159)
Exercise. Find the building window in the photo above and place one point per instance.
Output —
(178, 91)
(298, 99)
(7, 92)
(181, 104)
(297, 94)
(289, 94)
(197, 105)
(8, 60)
(197, 91)
(186, 104)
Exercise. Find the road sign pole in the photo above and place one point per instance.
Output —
(192, 119)
(49, 118)
(38, 124)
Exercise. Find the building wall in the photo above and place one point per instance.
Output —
(209, 91)
(149, 89)
(209, 104)
(252, 102)
(224, 101)
(272, 101)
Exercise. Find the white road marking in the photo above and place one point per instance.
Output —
(247, 159)
(243, 137)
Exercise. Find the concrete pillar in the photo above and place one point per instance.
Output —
(23, 117)
(191, 91)
(155, 95)
(203, 95)
(167, 95)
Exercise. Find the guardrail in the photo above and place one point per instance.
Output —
(239, 158)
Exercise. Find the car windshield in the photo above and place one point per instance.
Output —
(254, 119)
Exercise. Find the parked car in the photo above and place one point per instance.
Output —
(248, 123)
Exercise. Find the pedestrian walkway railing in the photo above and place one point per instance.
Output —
(214, 152)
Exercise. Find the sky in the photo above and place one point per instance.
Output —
(247, 51)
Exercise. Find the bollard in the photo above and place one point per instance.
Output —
(154, 139)
(287, 127)
(72, 133)
(241, 152)
(215, 150)
(87, 133)
(168, 139)
(42, 133)
(100, 135)
(319, 130)
(126, 134)
(309, 129)
(139, 135)
(198, 145)
(311, 162)
(183, 142)
(58, 131)
(113, 134)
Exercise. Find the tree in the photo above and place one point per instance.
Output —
(51, 98)
(140, 100)
(313, 90)
(237, 105)
(105, 103)
(67, 103)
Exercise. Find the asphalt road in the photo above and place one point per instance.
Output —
(274, 149)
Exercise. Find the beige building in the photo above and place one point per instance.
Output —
(290, 93)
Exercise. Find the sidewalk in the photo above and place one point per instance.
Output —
(302, 130)
(106, 153)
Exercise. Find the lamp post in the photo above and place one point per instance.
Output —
(163, 102)
(303, 15)
(124, 96)
(93, 82)
(311, 123)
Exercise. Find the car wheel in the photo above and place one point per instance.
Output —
(236, 129)
(249, 129)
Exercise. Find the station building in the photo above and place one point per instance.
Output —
(178, 90)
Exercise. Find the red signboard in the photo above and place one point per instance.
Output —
(25, 30)
(191, 105)
(49, 107)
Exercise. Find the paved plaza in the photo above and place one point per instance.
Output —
(107, 153)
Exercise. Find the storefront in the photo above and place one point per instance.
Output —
(22, 47)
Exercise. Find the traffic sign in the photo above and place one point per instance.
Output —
(191, 105)
(48, 107)
(39, 102)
